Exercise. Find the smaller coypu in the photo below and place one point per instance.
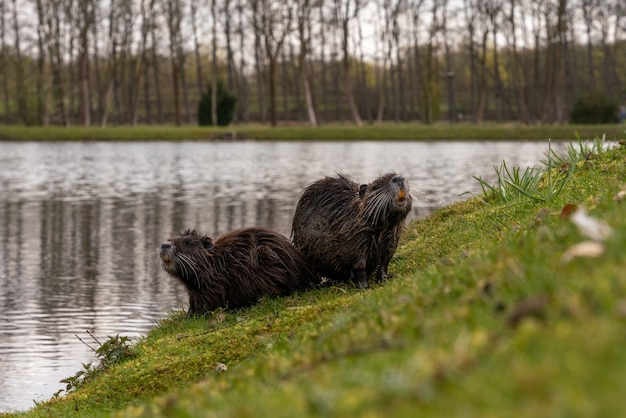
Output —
(347, 231)
(236, 269)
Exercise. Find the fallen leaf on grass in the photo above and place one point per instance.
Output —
(583, 249)
(591, 227)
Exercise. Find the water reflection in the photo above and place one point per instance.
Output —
(80, 223)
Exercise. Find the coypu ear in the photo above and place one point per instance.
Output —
(207, 242)
(362, 190)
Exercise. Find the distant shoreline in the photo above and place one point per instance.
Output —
(404, 131)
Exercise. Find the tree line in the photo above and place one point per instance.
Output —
(90, 62)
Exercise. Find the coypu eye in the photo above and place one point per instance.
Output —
(397, 179)
(207, 242)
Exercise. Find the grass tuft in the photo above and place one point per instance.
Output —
(543, 183)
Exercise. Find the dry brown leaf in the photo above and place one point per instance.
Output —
(583, 249)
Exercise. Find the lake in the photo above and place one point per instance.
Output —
(81, 223)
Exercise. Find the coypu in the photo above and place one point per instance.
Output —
(347, 231)
(236, 269)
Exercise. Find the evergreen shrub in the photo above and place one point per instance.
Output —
(225, 106)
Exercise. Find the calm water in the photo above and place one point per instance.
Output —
(80, 224)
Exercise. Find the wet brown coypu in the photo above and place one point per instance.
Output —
(236, 269)
(347, 231)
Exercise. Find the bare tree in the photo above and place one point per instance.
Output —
(112, 62)
(481, 60)
(70, 24)
(42, 79)
(258, 59)
(19, 70)
(493, 9)
(415, 7)
(383, 70)
(56, 61)
(470, 12)
(4, 59)
(196, 45)
(555, 18)
(323, 65)
(230, 58)
(155, 60)
(214, 64)
(516, 65)
(588, 9)
(345, 13)
(174, 17)
(304, 17)
(429, 74)
(84, 26)
(242, 84)
(273, 24)
(141, 57)
(609, 15)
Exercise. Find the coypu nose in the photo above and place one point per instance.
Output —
(165, 253)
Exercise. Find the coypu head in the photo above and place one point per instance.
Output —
(386, 199)
(181, 253)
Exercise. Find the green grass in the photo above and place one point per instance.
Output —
(409, 131)
(483, 318)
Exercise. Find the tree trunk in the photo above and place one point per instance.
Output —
(85, 22)
(516, 65)
(242, 85)
(42, 84)
(323, 65)
(140, 65)
(173, 20)
(559, 70)
(304, 35)
(285, 82)
(482, 80)
(274, 26)
(112, 63)
(4, 63)
(498, 91)
(345, 45)
(196, 47)
(56, 61)
(155, 64)
(71, 70)
(257, 62)
(230, 60)
(20, 83)
(587, 7)
(214, 66)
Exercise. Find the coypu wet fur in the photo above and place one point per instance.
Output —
(236, 269)
(346, 231)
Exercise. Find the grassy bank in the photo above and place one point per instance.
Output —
(412, 131)
(490, 313)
